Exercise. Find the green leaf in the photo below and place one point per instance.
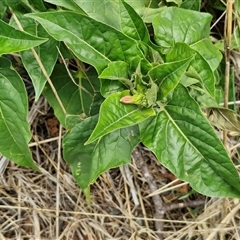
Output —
(34, 5)
(207, 59)
(88, 162)
(94, 42)
(47, 53)
(108, 87)
(138, 4)
(108, 152)
(151, 94)
(115, 115)
(172, 26)
(68, 4)
(75, 100)
(12, 40)
(3, 8)
(132, 24)
(79, 156)
(168, 75)
(209, 52)
(118, 14)
(115, 71)
(191, 4)
(177, 2)
(179, 52)
(205, 74)
(14, 128)
(105, 11)
(185, 143)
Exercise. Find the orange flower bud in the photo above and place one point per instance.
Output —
(127, 99)
(135, 99)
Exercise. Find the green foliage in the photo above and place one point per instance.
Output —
(15, 131)
(135, 90)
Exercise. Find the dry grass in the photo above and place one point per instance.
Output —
(49, 205)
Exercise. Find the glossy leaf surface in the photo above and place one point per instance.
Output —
(168, 75)
(48, 55)
(184, 142)
(14, 128)
(191, 4)
(172, 26)
(13, 40)
(94, 42)
(118, 14)
(115, 71)
(116, 115)
(67, 4)
(88, 162)
(72, 94)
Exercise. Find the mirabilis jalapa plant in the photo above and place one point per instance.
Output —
(137, 92)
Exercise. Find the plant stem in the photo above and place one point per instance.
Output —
(41, 66)
(228, 34)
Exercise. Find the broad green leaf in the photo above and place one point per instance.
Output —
(205, 74)
(78, 156)
(88, 162)
(209, 52)
(207, 59)
(185, 143)
(118, 14)
(172, 26)
(14, 4)
(139, 3)
(12, 40)
(3, 8)
(108, 152)
(75, 100)
(187, 81)
(94, 42)
(179, 52)
(132, 24)
(73, 120)
(38, 4)
(105, 11)
(115, 115)
(33, 5)
(48, 55)
(178, 2)
(168, 75)
(115, 71)
(148, 14)
(47, 52)
(14, 128)
(191, 4)
(68, 4)
(108, 87)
